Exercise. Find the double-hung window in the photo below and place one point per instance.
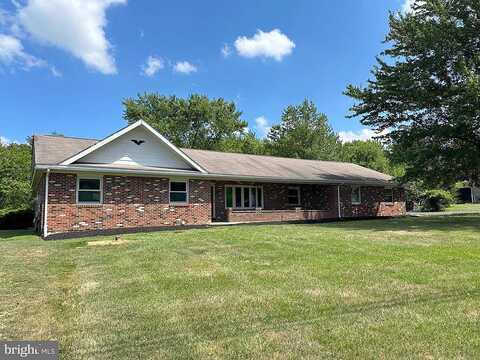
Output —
(293, 195)
(388, 195)
(178, 192)
(89, 190)
(243, 197)
(356, 195)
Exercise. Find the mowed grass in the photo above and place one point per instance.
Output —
(464, 208)
(400, 288)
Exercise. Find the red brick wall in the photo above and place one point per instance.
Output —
(132, 202)
(372, 204)
(128, 202)
(277, 215)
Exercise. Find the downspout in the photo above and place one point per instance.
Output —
(338, 202)
(45, 216)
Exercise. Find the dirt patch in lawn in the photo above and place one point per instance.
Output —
(108, 242)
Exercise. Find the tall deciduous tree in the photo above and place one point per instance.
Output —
(426, 90)
(15, 174)
(196, 122)
(371, 154)
(304, 133)
(245, 143)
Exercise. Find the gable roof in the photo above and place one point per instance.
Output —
(125, 130)
(55, 151)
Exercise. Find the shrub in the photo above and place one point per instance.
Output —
(16, 219)
(436, 200)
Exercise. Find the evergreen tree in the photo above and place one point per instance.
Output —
(304, 133)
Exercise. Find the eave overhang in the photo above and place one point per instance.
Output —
(207, 176)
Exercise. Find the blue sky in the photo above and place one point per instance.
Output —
(66, 65)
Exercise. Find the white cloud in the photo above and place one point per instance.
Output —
(77, 26)
(55, 71)
(226, 51)
(12, 53)
(152, 66)
(262, 126)
(184, 67)
(4, 141)
(408, 6)
(271, 44)
(364, 134)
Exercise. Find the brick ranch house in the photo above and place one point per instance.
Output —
(136, 178)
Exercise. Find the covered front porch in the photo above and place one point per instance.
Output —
(262, 202)
(240, 202)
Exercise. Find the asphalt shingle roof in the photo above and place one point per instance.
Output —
(52, 150)
(288, 168)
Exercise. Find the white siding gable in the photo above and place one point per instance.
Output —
(152, 152)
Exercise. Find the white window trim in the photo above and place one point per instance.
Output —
(299, 202)
(170, 191)
(233, 187)
(393, 196)
(89, 177)
(359, 195)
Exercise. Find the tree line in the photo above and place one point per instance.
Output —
(215, 124)
(424, 97)
(211, 124)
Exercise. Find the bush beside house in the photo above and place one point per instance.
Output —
(436, 200)
(16, 219)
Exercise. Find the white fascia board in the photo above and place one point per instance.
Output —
(101, 143)
(125, 130)
(208, 176)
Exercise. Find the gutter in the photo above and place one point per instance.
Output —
(45, 216)
(173, 173)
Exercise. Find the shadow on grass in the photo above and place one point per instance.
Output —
(444, 223)
(8, 234)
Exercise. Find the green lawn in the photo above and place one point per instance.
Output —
(401, 288)
(466, 208)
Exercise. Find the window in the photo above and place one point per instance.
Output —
(178, 192)
(293, 195)
(243, 197)
(89, 190)
(229, 197)
(238, 197)
(259, 197)
(388, 195)
(356, 195)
